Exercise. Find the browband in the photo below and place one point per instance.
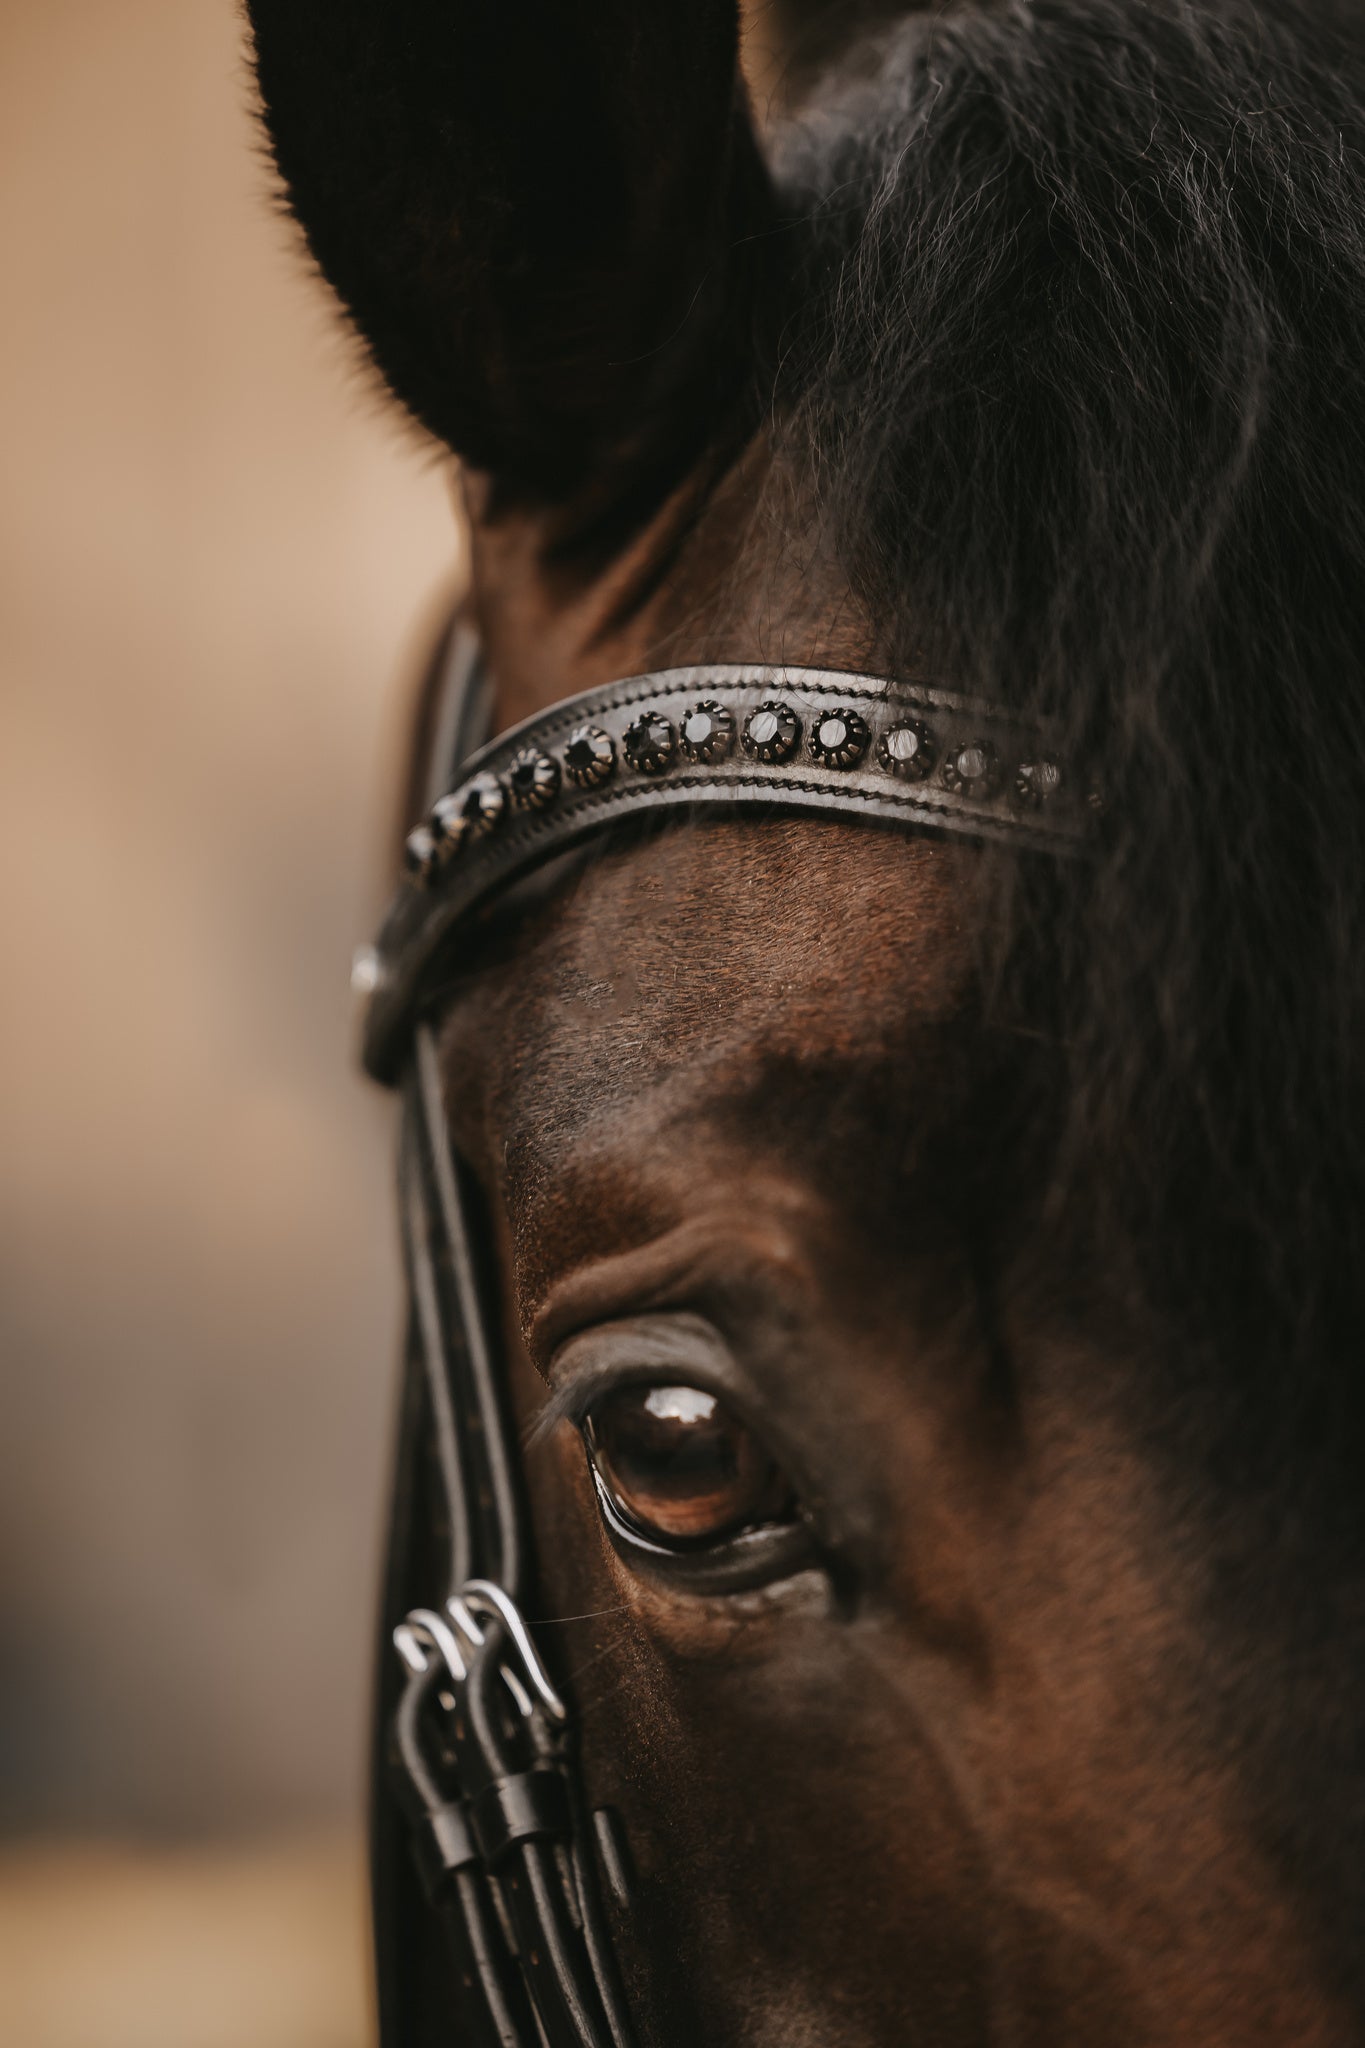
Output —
(703, 738)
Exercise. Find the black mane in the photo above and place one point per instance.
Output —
(1077, 373)
(1078, 377)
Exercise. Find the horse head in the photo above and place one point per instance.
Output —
(901, 1285)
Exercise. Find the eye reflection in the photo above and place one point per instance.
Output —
(680, 1404)
(682, 1468)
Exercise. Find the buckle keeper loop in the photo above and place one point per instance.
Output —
(529, 1806)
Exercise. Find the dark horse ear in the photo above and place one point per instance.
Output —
(545, 216)
(810, 34)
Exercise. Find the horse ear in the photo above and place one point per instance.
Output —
(808, 35)
(546, 219)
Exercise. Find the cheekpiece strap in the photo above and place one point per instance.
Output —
(705, 739)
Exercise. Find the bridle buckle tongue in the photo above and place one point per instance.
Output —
(524, 1675)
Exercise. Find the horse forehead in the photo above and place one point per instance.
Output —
(783, 938)
(677, 996)
(714, 1018)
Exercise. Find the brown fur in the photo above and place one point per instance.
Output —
(982, 1800)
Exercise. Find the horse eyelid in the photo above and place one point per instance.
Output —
(571, 1402)
(647, 1352)
(575, 1400)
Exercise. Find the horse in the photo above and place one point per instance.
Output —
(878, 1552)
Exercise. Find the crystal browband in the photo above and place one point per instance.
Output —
(790, 739)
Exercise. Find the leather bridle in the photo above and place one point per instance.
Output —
(476, 1786)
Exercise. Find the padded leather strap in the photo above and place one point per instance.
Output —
(913, 757)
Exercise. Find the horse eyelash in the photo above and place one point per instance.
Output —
(574, 1400)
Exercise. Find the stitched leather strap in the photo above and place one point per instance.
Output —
(706, 739)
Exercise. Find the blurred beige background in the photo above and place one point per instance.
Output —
(219, 562)
(222, 561)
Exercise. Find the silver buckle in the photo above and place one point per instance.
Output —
(456, 1630)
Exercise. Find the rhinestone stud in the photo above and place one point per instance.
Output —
(772, 733)
(419, 854)
(839, 739)
(589, 756)
(708, 732)
(650, 743)
(908, 750)
(482, 804)
(1036, 782)
(532, 779)
(972, 770)
(449, 825)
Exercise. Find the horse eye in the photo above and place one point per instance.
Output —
(678, 1465)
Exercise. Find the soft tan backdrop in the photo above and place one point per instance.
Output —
(218, 561)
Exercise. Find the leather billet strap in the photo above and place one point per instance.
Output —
(480, 1743)
(708, 739)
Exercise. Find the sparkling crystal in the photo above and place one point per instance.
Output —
(533, 779)
(449, 823)
(589, 756)
(708, 731)
(419, 853)
(839, 738)
(649, 743)
(908, 750)
(1037, 781)
(973, 769)
(772, 732)
(483, 803)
